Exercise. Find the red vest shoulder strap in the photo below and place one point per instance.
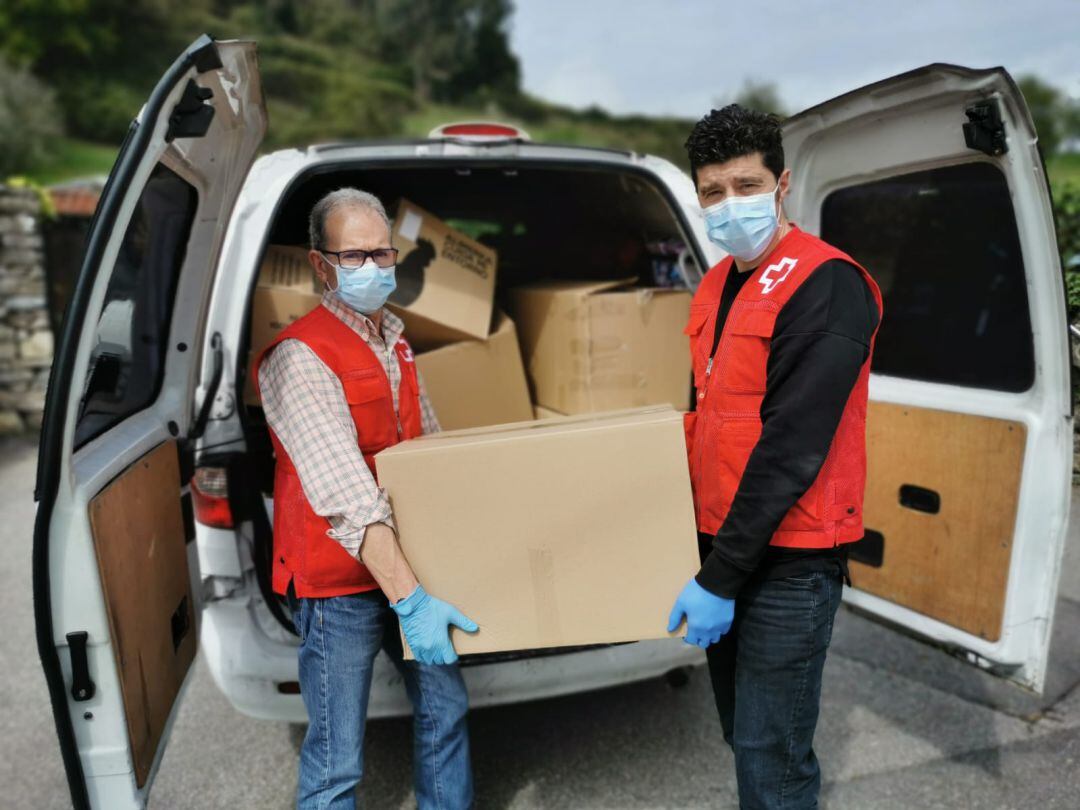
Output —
(712, 285)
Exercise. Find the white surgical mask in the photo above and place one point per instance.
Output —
(366, 288)
(743, 226)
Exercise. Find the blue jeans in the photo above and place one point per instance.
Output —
(340, 637)
(766, 676)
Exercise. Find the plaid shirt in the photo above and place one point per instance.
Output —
(305, 407)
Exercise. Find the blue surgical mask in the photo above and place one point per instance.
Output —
(743, 226)
(364, 289)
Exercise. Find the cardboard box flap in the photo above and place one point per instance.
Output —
(578, 288)
(515, 430)
(445, 279)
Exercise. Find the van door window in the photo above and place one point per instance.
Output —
(127, 360)
(943, 245)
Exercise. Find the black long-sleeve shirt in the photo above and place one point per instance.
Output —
(820, 341)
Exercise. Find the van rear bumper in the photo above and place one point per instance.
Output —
(249, 666)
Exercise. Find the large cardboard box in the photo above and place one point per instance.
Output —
(599, 346)
(287, 289)
(445, 280)
(478, 382)
(562, 532)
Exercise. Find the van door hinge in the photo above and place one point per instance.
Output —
(82, 687)
(191, 116)
(984, 129)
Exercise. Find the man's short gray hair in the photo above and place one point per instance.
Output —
(334, 200)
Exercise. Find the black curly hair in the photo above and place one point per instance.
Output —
(732, 132)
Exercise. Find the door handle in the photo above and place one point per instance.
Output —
(82, 686)
(920, 499)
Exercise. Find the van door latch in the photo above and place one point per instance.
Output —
(191, 116)
(82, 687)
(984, 129)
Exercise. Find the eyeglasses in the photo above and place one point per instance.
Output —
(352, 259)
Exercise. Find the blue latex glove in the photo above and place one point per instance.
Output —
(708, 616)
(425, 621)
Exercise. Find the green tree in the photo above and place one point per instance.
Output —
(761, 96)
(28, 120)
(1054, 114)
(455, 49)
(101, 56)
(488, 68)
(428, 35)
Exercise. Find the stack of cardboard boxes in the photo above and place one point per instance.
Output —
(587, 346)
(519, 524)
(467, 352)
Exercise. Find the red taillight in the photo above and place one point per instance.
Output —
(210, 488)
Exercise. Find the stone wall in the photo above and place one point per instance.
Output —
(26, 341)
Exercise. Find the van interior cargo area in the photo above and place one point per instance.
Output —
(546, 221)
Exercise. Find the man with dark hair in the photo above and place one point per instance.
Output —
(781, 334)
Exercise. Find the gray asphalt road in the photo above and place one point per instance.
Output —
(902, 726)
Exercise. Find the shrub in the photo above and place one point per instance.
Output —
(1067, 216)
(99, 109)
(29, 120)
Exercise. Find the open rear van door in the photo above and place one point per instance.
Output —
(933, 180)
(115, 573)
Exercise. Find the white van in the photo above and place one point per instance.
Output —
(152, 530)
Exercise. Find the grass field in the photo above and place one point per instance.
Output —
(73, 159)
(1064, 170)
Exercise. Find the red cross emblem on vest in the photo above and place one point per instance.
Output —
(406, 352)
(775, 273)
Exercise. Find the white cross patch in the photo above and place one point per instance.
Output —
(775, 273)
(406, 353)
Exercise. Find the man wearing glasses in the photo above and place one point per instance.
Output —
(338, 386)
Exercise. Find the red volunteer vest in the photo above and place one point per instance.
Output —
(727, 424)
(316, 563)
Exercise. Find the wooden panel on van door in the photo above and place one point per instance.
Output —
(951, 564)
(138, 530)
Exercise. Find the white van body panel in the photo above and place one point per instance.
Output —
(248, 660)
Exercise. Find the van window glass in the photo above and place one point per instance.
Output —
(944, 247)
(127, 359)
